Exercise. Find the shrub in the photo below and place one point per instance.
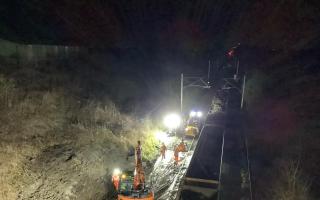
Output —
(290, 184)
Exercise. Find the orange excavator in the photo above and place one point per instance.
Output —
(131, 185)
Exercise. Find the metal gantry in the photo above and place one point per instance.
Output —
(193, 81)
(234, 85)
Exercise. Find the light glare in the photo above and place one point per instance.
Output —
(172, 121)
(163, 137)
(193, 114)
(116, 171)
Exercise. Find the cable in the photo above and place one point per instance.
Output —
(220, 173)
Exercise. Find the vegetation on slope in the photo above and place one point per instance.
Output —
(56, 146)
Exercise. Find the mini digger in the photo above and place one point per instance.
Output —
(130, 185)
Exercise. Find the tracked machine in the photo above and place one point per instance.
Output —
(130, 185)
(193, 124)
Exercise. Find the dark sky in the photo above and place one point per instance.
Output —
(125, 22)
(91, 22)
(193, 27)
(157, 39)
(179, 28)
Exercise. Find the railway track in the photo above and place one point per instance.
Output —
(166, 177)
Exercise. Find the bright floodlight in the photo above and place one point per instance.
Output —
(199, 114)
(116, 171)
(162, 136)
(193, 114)
(172, 121)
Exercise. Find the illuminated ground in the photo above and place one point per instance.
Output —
(165, 177)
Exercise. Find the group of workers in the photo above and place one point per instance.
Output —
(139, 175)
(163, 149)
(139, 178)
(178, 148)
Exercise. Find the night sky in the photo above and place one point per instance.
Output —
(156, 40)
(193, 26)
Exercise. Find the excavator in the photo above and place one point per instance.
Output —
(193, 124)
(130, 185)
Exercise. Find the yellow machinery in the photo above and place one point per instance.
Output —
(191, 131)
(193, 124)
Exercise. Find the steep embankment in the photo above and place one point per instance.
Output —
(56, 145)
